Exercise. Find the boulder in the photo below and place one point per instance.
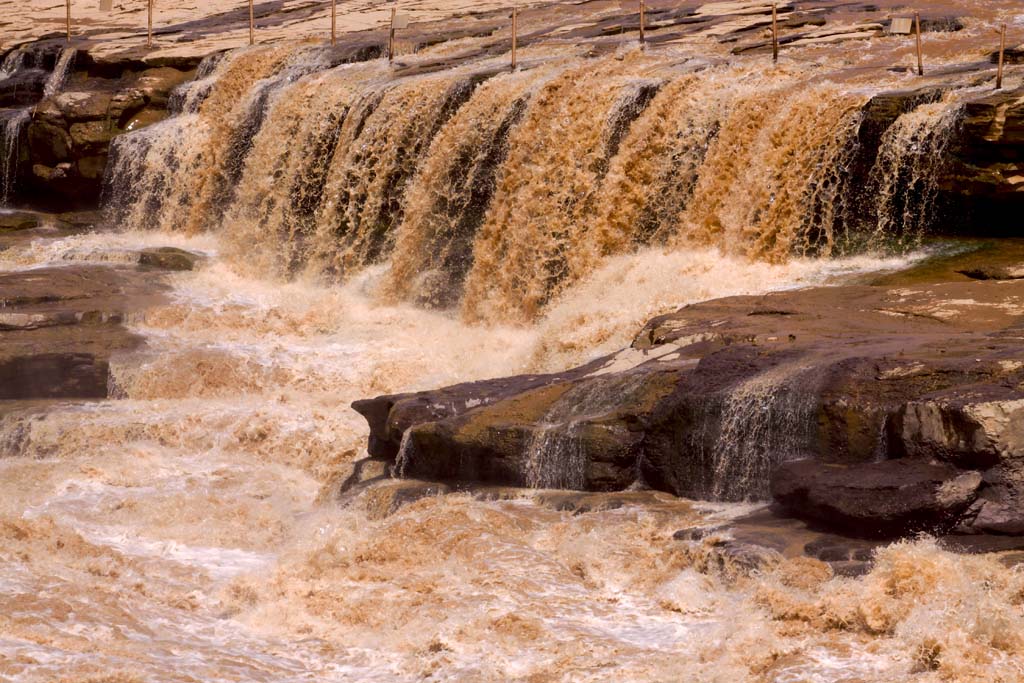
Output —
(966, 431)
(49, 145)
(912, 393)
(22, 88)
(888, 498)
(14, 221)
(170, 258)
(91, 136)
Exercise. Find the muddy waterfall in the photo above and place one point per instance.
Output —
(636, 362)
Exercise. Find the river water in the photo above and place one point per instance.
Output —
(190, 531)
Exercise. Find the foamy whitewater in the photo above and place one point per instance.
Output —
(430, 229)
(189, 531)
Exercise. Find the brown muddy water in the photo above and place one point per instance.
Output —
(189, 530)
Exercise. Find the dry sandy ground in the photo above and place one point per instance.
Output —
(224, 22)
(199, 27)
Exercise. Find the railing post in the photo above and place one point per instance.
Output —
(334, 22)
(1002, 52)
(391, 37)
(68, 21)
(643, 21)
(917, 30)
(515, 33)
(252, 24)
(775, 32)
(149, 31)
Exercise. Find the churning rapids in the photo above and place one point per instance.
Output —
(423, 231)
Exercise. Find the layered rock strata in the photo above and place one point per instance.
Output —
(875, 409)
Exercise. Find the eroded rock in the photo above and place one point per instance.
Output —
(712, 399)
(892, 497)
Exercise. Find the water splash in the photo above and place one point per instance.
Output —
(13, 60)
(13, 123)
(490, 193)
(61, 69)
(911, 157)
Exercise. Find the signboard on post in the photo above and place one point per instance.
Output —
(901, 26)
(401, 21)
(106, 5)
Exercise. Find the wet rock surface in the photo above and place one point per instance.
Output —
(60, 326)
(876, 498)
(879, 409)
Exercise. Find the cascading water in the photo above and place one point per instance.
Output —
(13, 60)
(61, 69)
(904, 177)
(493, 192)
(13, 124)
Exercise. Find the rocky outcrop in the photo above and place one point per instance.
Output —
(879, 409)
(985, 181)
(67, 140)
(60, 326)
(892, 496)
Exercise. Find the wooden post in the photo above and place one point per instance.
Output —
(68, 4)
(917, 30)
(252, 24)
(643, 17)
(334, 22)
(149, 32)
(391, 37)
(775, 32)
(1002, 51)
(515, 33)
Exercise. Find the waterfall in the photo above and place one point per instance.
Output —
(13, 123)
(13, 60)
(367, 179)
(556, 456)
(547, 190)
(489, 192)
(60, 72)
(187, 97)
(735, 438)
(906, 171)
(448, 200)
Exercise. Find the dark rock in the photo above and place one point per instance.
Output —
(53, 375)
(170, 258)
(709, 400)
(890, 498)
(23, 88)
(967, 431)
(994, 273)
(386, 498)
(850, 568)
(49, 144)
(12, 221)
(1012, 55)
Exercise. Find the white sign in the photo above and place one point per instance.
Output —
(901, 26)
(106, 5)
(401, 21)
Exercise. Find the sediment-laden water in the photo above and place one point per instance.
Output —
(189, 531)
(370, 235)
